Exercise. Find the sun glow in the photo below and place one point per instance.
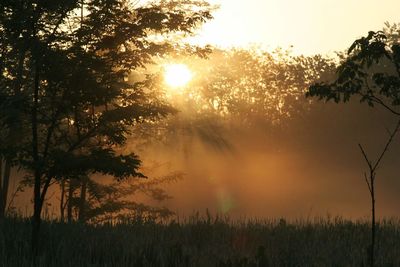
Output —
(177, 75)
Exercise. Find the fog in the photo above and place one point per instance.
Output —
(311, 167)
(251, 145)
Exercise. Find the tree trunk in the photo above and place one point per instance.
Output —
(4, 184)
(36, 221)
(70, 202)
(62, 205)
(82, 201)
(13, 138)
(37, 203)
(373, 226)
(1, 187)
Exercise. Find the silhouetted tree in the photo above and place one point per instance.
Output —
(371, 72)
(105, 201)
(370, 181)
(12, 74)
(75, 56)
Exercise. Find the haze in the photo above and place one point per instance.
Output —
(311, 168)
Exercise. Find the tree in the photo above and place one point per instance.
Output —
(370, 181)
(256, 86)
(12, 55)
(113, 201)
(370, 71)
(75, 99)
(236, 89)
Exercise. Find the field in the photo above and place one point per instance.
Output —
(200, 241)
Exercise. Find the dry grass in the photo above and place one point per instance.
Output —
(201, 242)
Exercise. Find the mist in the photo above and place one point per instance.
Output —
(311, 167)
(266, 152)
(137, 133)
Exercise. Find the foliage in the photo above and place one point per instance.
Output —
(370, 71)
(233, 90)
(251, 84)
(107, 201)
(63, 76)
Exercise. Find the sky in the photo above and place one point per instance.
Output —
(311, 26)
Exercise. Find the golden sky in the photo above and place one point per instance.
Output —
(311, 26)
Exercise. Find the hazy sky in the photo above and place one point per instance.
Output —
(311, 26)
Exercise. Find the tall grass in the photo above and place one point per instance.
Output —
(201, 242)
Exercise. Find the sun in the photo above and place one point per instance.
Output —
(177, 75)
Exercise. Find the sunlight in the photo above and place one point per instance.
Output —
(177, 75)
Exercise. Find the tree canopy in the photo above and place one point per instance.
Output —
(235, 89)
(63, 86)
(370, 71)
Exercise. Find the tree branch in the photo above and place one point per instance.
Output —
(387, 145)
(372, 167)
(365, 156)
(380, 101)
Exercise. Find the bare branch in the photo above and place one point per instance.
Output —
(365, 156)
(380, 101)
(390, 140)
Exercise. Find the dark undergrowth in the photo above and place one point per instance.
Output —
(201, 242)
